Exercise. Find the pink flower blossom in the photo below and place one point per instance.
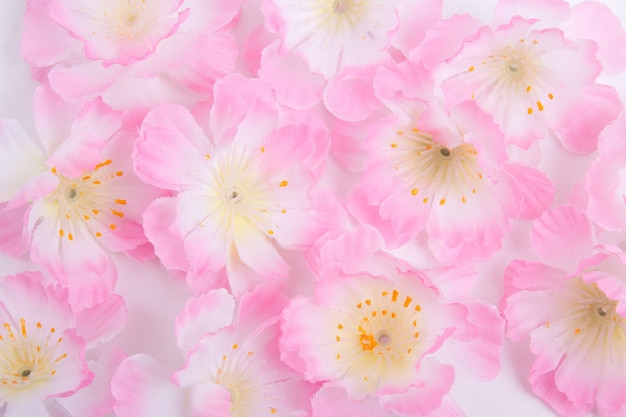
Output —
(233, 367)
(42, 348)
(532, 80)
(443, 172)
(117, 32)
(572, 307)
(130, 53)
(334, 35)
(374, 326)
(241, 192)
(82, 199)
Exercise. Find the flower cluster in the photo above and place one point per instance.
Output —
(328, 184)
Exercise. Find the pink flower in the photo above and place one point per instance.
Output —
(83, 201)
(573, 308)
(374, 326)
(334, 35)
(241, 192)
(42, 348)
(233, 365)
(443, 172)
(118, 31)
(130, 53)
(532, 80)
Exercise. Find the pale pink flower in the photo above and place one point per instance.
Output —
(242, 191)
(81, 197)
(118, 31)
(232, 368)
(131, 53)
(606, 179)
(42, 348)
(333, 35)
(443, 172)
(374, 326)
(573, 308)
(532, 80)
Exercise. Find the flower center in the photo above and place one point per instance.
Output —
(239, 198)
(28, 354)
(435, 172)
(341, 6)
(510, 74)
(85, 206)
(234, 195)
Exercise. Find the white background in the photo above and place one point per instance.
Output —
(153, 297)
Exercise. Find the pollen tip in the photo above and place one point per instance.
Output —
(394, 145)
(470, 69)
(283, 183)
(414, 191)
(529, 111)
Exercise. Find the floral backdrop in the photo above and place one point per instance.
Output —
(327, 208)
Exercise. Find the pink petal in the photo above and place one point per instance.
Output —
(595, 20)
(159, 221)
(142, 387)
(96, 399)
(416, 18)
(606, 180)
(351, 97)
(54, 117)
(290, 77)
(562, 235)
(596, 107)
(102, 322)
(532, 191)
(444, 39)
(20, 159)
(237, 99)
(333, 402)
(13, 240)
(83, 80)
(210, 15)
(44, 43)
(425, 396)
(204, 314)
(170, 152)
(543, 386)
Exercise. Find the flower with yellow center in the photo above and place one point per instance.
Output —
(41, 357)
(334, 34)
(118, 31)
(366, 334)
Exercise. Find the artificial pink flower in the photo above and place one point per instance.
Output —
(532, 80)
(233, 366)
(374, 326)
(443, 172)
(241, 192)
(573, 308)
(81, 197)
(42, 346)
(334, 35)
(118, 31)
(135, 53)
